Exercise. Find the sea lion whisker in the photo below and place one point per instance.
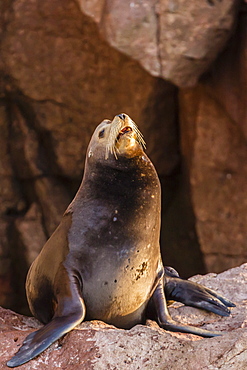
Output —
(140, 137)
(111, 146)
(115, 150)
(111, 140)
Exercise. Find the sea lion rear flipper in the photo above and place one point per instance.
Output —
(196, 295)
(38, 341)
(165, 320)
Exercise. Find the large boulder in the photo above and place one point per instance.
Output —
(171, 39)
(95, 345)
(213, 120)
(65, 65)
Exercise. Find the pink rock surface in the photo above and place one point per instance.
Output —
(96, 345)
(171, 39)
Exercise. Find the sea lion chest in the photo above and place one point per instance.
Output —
(114, 243)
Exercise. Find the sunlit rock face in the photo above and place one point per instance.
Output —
(66, 65)
(214, 136)
(96, 345)
(176, 40)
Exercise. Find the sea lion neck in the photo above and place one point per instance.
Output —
(123, 176)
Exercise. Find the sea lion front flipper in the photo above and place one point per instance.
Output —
(35, 343)
(165, 320)
(196, 295)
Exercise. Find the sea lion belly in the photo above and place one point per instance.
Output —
(116, 256)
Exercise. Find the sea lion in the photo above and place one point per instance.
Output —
(103, 261)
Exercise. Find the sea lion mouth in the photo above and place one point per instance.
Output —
(124, 131)
(122, 125)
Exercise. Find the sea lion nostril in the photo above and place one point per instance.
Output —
(122, 116)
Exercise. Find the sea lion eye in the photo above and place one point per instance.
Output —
(101, 133)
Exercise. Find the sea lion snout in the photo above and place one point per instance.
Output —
(122, 116)
(116, 138)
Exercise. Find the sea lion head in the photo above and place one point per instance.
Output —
(115, 139)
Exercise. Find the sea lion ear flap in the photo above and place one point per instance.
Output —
(38, 341)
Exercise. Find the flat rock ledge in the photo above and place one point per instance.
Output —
(96, 345)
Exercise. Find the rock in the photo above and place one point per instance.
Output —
(66, 92)
(6, 273)
(11, 203)
(59, 77)
(11, 200)
(54, 200)
(214, 133)
(218, 180)
(228, 78)
(23, 241)
(171, 39)
(186, 33)
(96, 345)
(31, 242)
(31, 163)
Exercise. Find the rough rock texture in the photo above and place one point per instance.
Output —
(63, 78)
(59, 77)
(171, 39)
(214, 144)
(95, 345)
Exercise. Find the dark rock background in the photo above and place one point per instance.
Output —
(178, 69)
